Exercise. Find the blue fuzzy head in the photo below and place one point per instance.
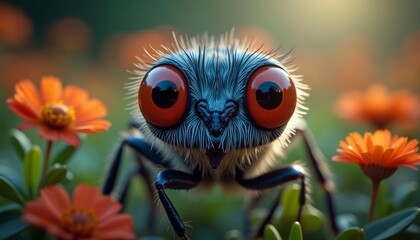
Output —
(217, 73)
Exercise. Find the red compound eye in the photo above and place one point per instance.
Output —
(163, 96)
(270, 97)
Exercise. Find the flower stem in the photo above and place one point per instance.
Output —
(375, 188)
(46, 163)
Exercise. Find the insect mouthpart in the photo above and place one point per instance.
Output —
(215, 155)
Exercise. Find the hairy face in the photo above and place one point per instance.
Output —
(217, 96)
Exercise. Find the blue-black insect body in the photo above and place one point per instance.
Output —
(216, 111)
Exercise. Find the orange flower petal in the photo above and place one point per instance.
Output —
(356, 141)
(79, 114)
(90, 110)
(382, 138)
(378, 106)
(51, 89)
(410, 166)
(341, 159)
(75, 96)
(85, 196)
(368, 142)
(121, 220)
(412, 145)
(123, 234)
(55, 199)
(106, 207)
(21, 110)
(406, 158)
(29, 93)
(50, 211)
(387, 156)
(92, 126)
(38, 215)
(27, 104)
(69, 137)
(27, 125)
(117, 227)
(399, 146)
(380, 149)
(48, 133)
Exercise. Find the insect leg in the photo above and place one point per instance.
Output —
(126, 185)
(145, 151)
(139, 145)
(144, 172)
(250, 205)
(174, 179)
(318, 162)
(273, 179)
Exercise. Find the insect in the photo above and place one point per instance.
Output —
(217, 110)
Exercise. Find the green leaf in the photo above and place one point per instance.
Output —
(8, 207)
(391, 225)
(13, 227)
(56, 175)
(413, 229)
(20, 142)
(346, 221)
(32, 168)
(9, 191)
(14, 177)
(233, 235)
(271, 233)
(289, 210)
(10, 223)
(64, 155)
(404, 194)
(290, 198)
(296, 232)
(312, 219)
(353, 233)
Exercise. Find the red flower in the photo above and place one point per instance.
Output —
(89, 216)
(59, 113)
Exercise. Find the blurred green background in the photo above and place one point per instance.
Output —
(338, 46)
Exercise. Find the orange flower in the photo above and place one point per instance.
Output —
(379, 154)
(15, 27)
(70, 34)
(59, 113)
(379, 106)
(89, 216)
(122, 49)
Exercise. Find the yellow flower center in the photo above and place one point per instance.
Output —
(79, 222)
(58, 115)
